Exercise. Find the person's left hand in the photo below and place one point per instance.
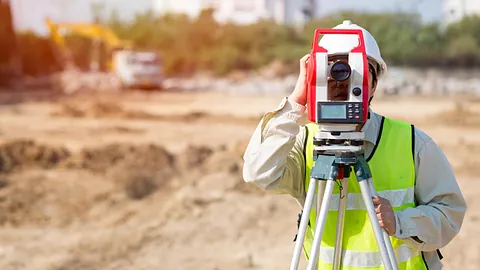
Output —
(385, 214)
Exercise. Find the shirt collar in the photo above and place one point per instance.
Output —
(372, 127)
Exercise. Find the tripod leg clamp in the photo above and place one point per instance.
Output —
(362, 170)
(324, 168)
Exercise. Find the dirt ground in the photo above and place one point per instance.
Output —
(153, 181)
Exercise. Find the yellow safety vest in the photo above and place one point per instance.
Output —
(393, 175)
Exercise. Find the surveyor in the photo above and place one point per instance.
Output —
(422, 208)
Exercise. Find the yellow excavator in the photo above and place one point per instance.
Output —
(134, 68)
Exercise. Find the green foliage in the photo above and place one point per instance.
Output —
(189, 45)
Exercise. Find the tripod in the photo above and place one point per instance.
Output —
(334, 154)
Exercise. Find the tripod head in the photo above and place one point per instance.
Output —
(339, 144)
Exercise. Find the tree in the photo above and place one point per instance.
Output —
(10, 55)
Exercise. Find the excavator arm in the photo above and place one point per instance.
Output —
(92, 31)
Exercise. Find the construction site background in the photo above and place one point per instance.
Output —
(190, 46)
(96, 177)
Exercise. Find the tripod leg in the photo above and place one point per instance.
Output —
(320, 192)
(367, 198)
(386, 238)
(303, 224)
(320, 224)
(340, 224)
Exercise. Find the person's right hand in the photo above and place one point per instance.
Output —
(299, 94)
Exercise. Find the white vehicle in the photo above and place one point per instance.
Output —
(138, 69)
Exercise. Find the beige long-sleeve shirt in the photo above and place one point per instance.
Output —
(274, 162)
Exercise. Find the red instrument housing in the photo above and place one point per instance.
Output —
(312, 69)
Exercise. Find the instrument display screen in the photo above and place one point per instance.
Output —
(334, 111)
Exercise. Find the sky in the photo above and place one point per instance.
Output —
(30, 14)
(431, 10)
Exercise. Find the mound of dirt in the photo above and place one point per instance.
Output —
(223, 161)
(140, 170)
(3, 182)
(21, 153)
(460, 115)
(198, 116)
(105, 109)
(138, 182)
(460, 151)
(118, 172)
(117, 130)
(99, 109)
(228, 165)
(101, 159)
(19, 203)
(89, 179)
(193, 157)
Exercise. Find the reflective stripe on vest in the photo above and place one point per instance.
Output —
(364, 259)
(393, 174)
(397, 198)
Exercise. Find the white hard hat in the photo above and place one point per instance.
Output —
(343, 44)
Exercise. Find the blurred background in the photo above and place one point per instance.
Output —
(123, 123)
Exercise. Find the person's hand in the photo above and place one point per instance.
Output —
(299, 94)
(385, 214)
